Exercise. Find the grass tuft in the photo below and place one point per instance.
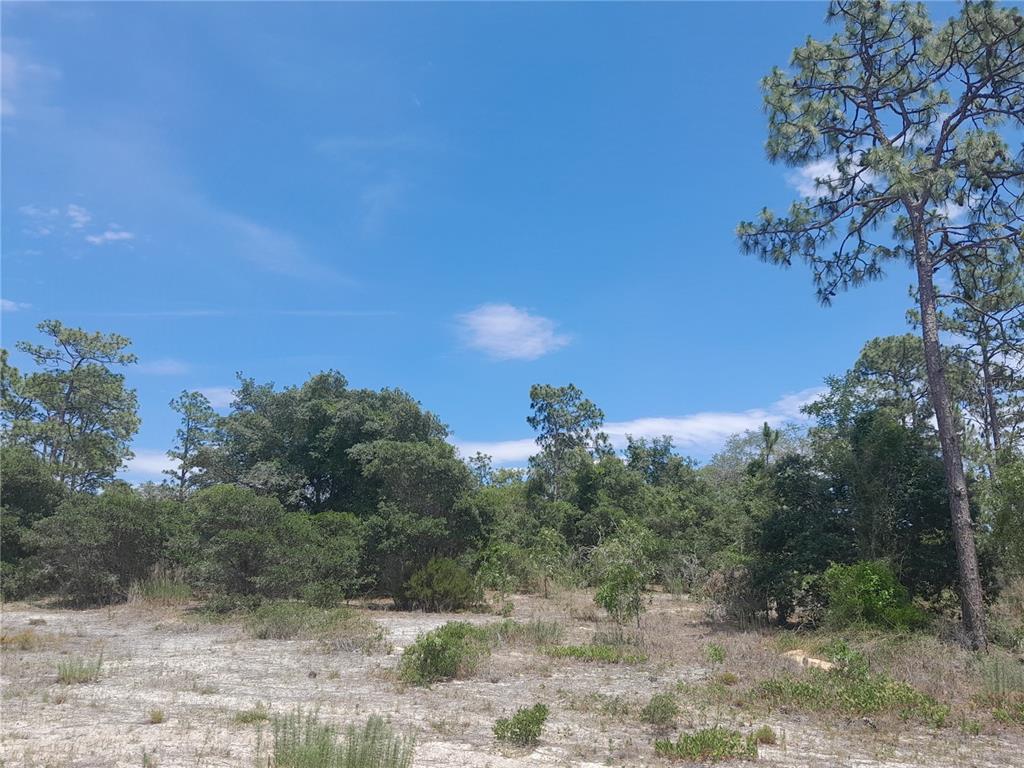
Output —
(256, 714)
(77, 670)
(156, 716)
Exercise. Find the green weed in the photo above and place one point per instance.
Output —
(524, 727)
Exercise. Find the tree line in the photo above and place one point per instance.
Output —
(326, 492)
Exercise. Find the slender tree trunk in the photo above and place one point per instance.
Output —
(971, 596)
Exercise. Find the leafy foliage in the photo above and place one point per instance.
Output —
(450, 651)
(868, 593)
(708, 745)
(441, 585)
(524, 727)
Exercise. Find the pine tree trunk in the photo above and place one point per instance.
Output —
(971, 596)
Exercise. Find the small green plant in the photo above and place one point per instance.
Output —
(148, 760)
(764, 735)
(609, 654)
(450, 651)
(77, 670)
(156, 716)
(441, 585)
(714, 653)
(256, 714)
(524, 727)
(302, 741)
(662, 710)
(868, 593)
(708, 744)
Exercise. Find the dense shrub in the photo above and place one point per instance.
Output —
(868, 593)
(244, 543)
(441, 585)
(95, 547)
(450, 651)
(524, 727)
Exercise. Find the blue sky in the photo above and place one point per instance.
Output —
(458, 200)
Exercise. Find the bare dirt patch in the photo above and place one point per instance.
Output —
(200, 676)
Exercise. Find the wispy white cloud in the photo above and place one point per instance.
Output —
(147, 464)
(505, 332)
(23, 79)
(700, 434)
(812, 180)
(219, 397)
(164, 367)
(109, 236)
(13, 306)
(79, 216)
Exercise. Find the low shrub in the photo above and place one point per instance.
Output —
(708, 744)
(610, 654)
(302, 741)
(156, 716)
(662, 710)
(441, 585)
(452, 650)
(868, 593)
(764, 735)
(77, 670)
(24, 640)
(524, 727)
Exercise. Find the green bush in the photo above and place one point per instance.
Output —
(524, 727)
(450, 651)
(869, 593)
(764, 735)
(302, 741)
(708, 744)
(661, 710)
(340, 627)
(441, 585)
(95, 547)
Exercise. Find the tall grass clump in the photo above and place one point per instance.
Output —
(452, 650)
(708, 745)
(662, 710)
(301, 740)
(77, 670)
(163, 587)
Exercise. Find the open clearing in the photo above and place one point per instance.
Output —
(199, 676)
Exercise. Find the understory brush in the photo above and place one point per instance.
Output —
(609, 654)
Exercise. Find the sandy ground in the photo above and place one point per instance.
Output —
(201, 675)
